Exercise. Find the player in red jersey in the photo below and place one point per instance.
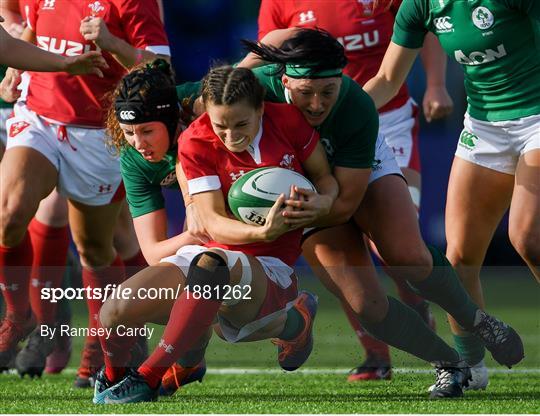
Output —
(365, 28)
(58, 137)
(238, 134)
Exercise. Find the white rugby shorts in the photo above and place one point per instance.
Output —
(498, 145)
(88, 172)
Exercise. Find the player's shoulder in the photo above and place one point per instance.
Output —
(199, 133)
(284, 116)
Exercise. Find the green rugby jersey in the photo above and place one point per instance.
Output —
(349, 133)
(143, 180)
(497, 42)
(3, 104)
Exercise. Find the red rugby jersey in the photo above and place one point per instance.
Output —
(79, 100)
(285, 140)
(364, 34)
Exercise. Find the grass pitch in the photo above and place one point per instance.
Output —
(322, 386)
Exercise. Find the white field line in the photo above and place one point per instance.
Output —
(399, 370)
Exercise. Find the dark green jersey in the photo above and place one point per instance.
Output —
(3, 104)
(497, 42)
(349, 132)
(143, 180)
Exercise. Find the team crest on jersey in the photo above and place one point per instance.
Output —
(328, 148)
(169, 179)
(97, 8)
(482, 18)
(368, 7)
(48, 5)
(307, 17)
(17, 127)
(287, 162)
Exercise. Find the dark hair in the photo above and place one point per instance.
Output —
(313, 47)
(225, 85)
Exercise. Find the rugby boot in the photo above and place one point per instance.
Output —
(91, 362)
(293, 353)
(12, 331)
(451, 380)
(373, 368)
(31, 359)
(178, 376)
(500, 339)
(131, 389)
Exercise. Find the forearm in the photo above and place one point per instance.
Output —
(128, 55)
(434, 61)
(226, 230)
(22, 55)
(381, 90)
(154, 251)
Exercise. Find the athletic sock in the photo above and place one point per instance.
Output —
(294, 325)
(373, 347)
(189, 320)
(403, 328)
(100, 278)
(405, 293)
(116, 354)
(470, 348)
(444, 288)
(50, 246)
(135, 264)
(15, 267)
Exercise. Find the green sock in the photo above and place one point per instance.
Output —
(444, 288)
(403, 328)
(470, 348)
(294, 324)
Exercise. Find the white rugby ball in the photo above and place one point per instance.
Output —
(253, 194)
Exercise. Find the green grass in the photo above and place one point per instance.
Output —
(510, 295)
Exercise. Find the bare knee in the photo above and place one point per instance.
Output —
(527, 244)
(413, 263)
(95, 253)
(13, 222)
(114, 312)
(369, 308)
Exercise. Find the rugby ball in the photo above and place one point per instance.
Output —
(253, 194)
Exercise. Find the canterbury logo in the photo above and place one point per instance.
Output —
(127, 115)
(443, 23)
(468, 139)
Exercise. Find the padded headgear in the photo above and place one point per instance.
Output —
(158, 102)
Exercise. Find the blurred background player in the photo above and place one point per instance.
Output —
(238, 133)
(364, 29)
(497, 161)
(62, 142)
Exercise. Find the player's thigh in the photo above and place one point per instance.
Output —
(524, 221)
(53, 210)
(92, 228)
(476, 201)
(26, 177)
(339, 257)
(389, 218)
(152, 295)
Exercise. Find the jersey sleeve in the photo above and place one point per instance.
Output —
(142, 196)
(197, 162)
(357, 149)
(143, 27)
(409, 27)
(188, 91)
(270, 17)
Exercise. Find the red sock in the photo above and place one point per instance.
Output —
(50, 246)
(112, 274)
(15, 267)
(135, 264)
(116, 354)
(189, 320)
(373, 346)
(405, 292)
